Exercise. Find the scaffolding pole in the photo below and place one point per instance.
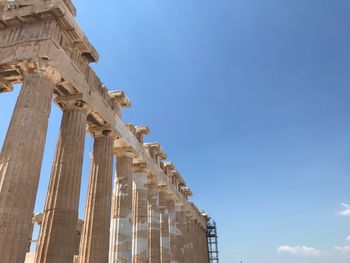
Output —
(212, 236)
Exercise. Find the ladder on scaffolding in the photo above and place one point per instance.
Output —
(212, 237)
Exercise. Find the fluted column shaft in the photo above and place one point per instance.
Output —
(172, 230)
(20, 164)
(164, 228)
(121, 225)
(179, 240)
(140, 218)
(188, 240)
(58, 231)
(202, 242)
(198, 243)
(205, 246)
(153, 221)
(94, 246)
(194, 240)
(198, 248)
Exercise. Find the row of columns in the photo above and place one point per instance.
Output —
(137, 222)
(161, 230)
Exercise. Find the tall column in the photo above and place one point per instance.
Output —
(94, 246)
(205, 245)
(198, 243)
(179, 241)
(164, 227)
(121, 225)
(153, 221)
(188, 239)
(172, 230)
(20, 164)
(58, 232)
(194, 241)
(185, 236)
(140, 216)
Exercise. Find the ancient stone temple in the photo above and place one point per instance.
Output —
(144, 215)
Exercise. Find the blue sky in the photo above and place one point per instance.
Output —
(250, 99)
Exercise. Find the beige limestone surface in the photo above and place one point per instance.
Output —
(57, 235)
(95, 238)
(121, 223)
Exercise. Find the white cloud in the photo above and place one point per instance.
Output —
(346, 211)
(299, 250)
(345, 249)
(348, 238)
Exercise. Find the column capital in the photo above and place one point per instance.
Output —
(141, 168)
(168, 167)
(71, 102)
(138, 131)
(186, 190)
(42, 67)
(101, 131)
(124, 152)
(178, 180)
(119, 101)
(155, 150)
(141, 131)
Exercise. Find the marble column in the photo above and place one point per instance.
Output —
(202, 238)
(172, 230)
(140, 216)
(185, 236)
(188, 239)
(198, 243)
(153, 221)
(121, 224)
(194, 241)
(179, 240)
(58, 232)
(20, 164)
(198, 248)
(94, 247)
(164, 227)
(205, 245)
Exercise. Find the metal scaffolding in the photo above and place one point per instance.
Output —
(212, 237)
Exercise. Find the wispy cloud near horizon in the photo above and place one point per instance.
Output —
(344, 249)
(299, 250)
